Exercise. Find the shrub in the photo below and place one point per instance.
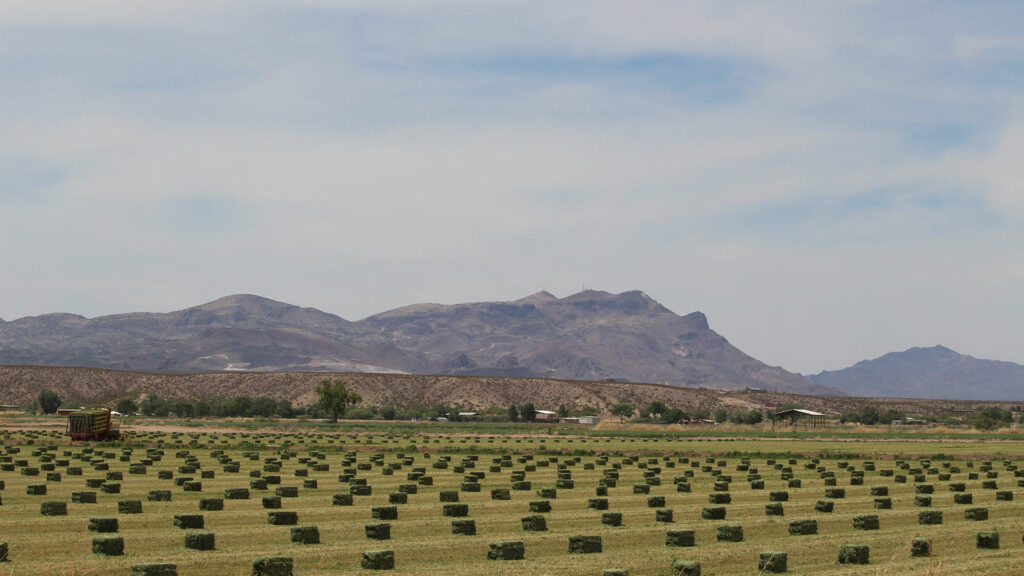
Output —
(108, 545)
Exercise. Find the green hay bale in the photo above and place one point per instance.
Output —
(929, 517)
(53, 508)
(924, 489)
(258, 484)
(774, 509)
(534, 524)
(274, 502)
(464, 527)
(159, 496)
(611, 518)
(1004, 496)
(108, 545)
(780, 496)
(685, 568)
(337, 500)
(551, 493)
(360, 490)
(408, 488)
(448, 496)
(976, 514)
(305, 535)
(854, 554)
(663, 515)
(278, 566)
(83, 497)
(803, 527)
(541, 506)
(963, 498)
(506, 550)
(920, 548)
(36, 490)
(287, 491)
(500, 494)
(680, 538)
(879, 490)
(378, 531)
(826, 506)
(597, 503)
(398, 498)
(957, 487)
(455, 510)
(772, 562)
(835, 493)
(384, 512)
(641, 489)
(615, 572)
(865, 522)
(154, 570)
(883, 503)
(988, 540)
(922, 501)
(211, 504)
(795, 483)
(729, 533)
(713, 513)
(129, 507)
(378, 560)
(585, 544)
(189, 521)
(102, 525)
(3, 551)
(201, 540)
(282, 518)
(655, 501)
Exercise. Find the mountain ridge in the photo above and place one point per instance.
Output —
(929, 372)
(591, 335)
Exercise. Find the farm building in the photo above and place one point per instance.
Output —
(545, 416)
(799, 416)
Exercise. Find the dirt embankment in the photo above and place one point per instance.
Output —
(21, 384)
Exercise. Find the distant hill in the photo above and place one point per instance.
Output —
(591, 335)
(935, 372)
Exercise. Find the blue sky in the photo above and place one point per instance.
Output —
(829, 182)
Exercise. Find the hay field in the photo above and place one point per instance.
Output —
(637, 477)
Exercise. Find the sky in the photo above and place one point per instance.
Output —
(827, 181)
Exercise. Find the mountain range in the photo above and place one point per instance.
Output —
(935, 372)
(591, 335)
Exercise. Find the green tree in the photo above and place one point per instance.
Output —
(513, 413)
(656, 409)
(527, 412)
(675, 416)
(126, 406)
(563, 411)
(48, 401)
(388, 413)
(721, 415)
(335, 398)
(623, 411)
